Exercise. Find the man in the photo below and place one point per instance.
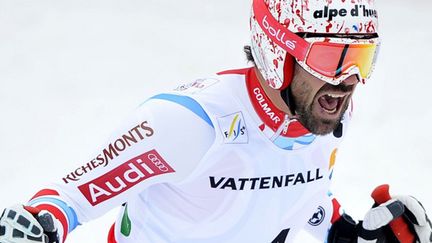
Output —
(250, 155)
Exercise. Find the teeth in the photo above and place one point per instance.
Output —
(331, 111)
(336, 95)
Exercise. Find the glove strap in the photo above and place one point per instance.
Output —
(368, 234)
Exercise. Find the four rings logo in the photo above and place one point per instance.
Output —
(124, 177)
(157, 162)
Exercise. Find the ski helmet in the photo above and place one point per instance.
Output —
(318, 17)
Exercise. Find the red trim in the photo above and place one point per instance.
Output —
(32, 210)
(111, 235)
(267, 111)
(336, 208)
(288, 71)
(45, 192)
(58, 214)
(295, 129)
(234, 71)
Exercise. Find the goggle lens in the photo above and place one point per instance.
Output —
(335, 59)
(363, 56)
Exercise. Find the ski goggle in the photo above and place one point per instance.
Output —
(331, 59)
(335, 59)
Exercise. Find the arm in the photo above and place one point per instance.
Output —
(163, 141)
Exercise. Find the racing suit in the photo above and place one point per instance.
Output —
(211, 161)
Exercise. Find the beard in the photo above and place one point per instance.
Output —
(310, 119)
(316, 124)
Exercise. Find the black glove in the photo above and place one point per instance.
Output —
(372, 229)
(375, 226)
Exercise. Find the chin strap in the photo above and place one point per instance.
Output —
(287, 96)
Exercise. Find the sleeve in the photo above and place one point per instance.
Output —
(162, 142)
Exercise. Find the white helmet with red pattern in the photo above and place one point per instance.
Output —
(338, 17)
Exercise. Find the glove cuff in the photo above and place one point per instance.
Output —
(343, 230)
(368, 234)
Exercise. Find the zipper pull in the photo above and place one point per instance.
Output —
(287, 121)
(282, 128)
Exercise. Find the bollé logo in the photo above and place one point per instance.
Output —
(278, 34)
(125, 177)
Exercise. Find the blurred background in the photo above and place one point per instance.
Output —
(71, 71)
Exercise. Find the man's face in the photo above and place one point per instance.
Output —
(318, 104)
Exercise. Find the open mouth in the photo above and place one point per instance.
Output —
(331, 103)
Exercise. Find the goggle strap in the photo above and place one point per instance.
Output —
(341, 60)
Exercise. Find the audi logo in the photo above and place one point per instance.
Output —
(156, 161)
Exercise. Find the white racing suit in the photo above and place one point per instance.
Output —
(212, 161)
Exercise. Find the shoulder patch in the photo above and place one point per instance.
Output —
(233, 128)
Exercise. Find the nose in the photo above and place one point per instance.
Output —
(351, 80)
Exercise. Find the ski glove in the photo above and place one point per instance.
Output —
(19, 224)
(417, 219)
(375, 226)
(371, 230)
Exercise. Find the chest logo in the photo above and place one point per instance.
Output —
(317, 217)
(233, 128)
(268, 182)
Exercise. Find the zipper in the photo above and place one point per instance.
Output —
(282, 128)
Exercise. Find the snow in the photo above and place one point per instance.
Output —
(70, 71)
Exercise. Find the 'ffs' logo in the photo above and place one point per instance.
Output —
(233, 128)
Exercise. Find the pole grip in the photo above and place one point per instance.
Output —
(400, 228)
